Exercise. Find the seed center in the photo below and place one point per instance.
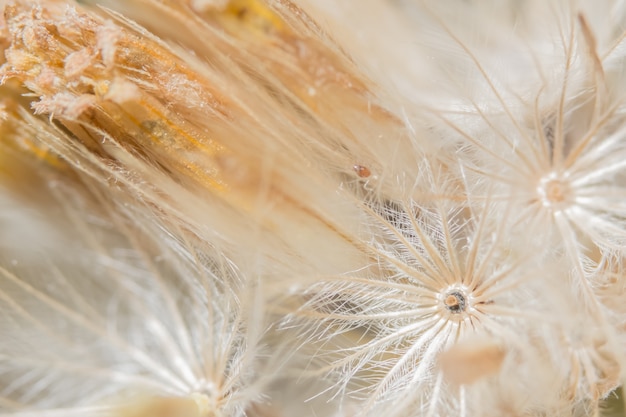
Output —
(554, 192)
(455, 302)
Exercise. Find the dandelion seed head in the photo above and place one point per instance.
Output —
(398, 231)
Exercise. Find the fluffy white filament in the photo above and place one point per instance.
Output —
(318, 208)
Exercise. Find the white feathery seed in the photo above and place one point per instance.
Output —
(316, 208)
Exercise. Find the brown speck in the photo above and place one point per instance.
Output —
(241, 13)
(361, 171)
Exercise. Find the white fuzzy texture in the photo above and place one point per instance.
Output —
(117, 317)
(316, 208)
